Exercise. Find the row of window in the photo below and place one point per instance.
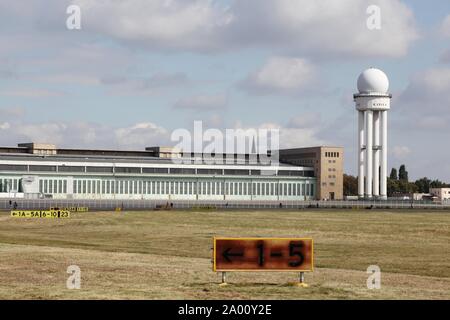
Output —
(7, 185)
(332, 154)
(178, 187)
(303, 162)
(59, 186)
(139, 170)
(52, 186)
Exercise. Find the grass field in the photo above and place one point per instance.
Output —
(167, 255)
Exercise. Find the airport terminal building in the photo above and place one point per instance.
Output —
(35, 170)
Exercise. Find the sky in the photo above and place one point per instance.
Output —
(139, 69)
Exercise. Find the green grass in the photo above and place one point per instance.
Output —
(166, 254)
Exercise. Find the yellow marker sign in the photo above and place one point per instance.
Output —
(51, 214)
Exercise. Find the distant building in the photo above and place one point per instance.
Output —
(402, 196)
(423, 197)
(34, 170)
(328, 164)
(442, 194)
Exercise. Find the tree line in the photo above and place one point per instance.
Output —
(397, 183)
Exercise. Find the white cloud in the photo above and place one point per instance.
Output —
(400, 152)
(420, 114)
(141, 134)
(299, 138)
(133, 137)
(445, 27)
(167, 24)
(281, 75)
(5, 126)
(43, 132)
(290, 137)
(326, 27)
(203, 102)
(84, 134)
(425, 103)
(62, 59)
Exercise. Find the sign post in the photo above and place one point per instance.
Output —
(264, 254)
(224, 279)
(301, 280)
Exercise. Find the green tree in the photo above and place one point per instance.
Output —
(438, 184)
(392, 187)
(407, 187)
(395, 187)
(402, 173)
(423, 185)
(393, 175)
(413, 188)
(350, 185)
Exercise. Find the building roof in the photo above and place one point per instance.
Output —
(152, 155)
(134, 160)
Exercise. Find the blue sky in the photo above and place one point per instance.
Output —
(139, 69)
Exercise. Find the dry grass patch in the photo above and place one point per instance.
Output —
(166, 255)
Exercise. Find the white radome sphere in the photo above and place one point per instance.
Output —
(373, 80)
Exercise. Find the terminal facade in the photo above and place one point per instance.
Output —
(328, 163)
(35, 170)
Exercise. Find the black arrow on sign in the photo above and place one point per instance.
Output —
(227, 254)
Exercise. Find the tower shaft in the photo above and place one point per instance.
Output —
(383, 171)
(361, 157)
(369, 153)
(376, 153)
(372, 144)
